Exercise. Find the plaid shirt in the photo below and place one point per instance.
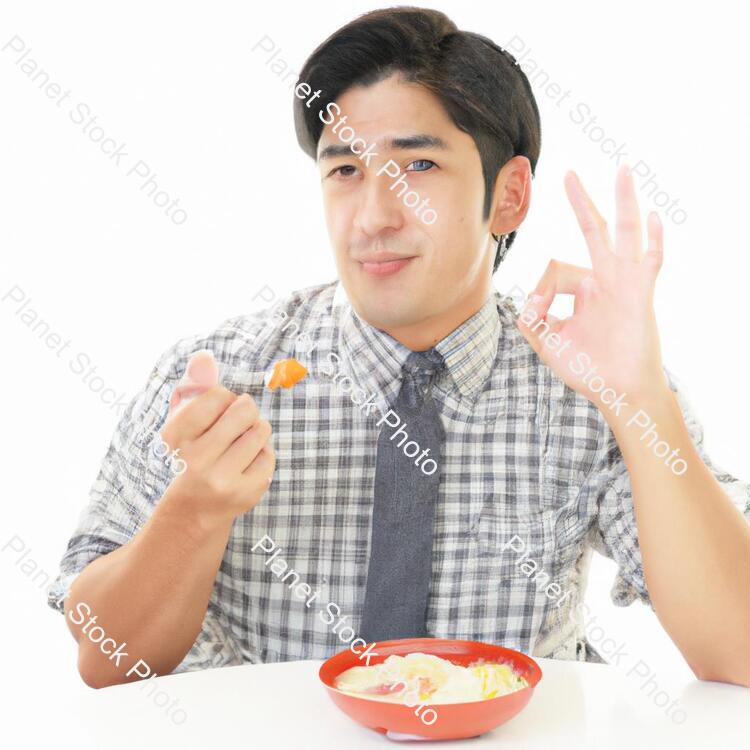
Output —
(524, 456)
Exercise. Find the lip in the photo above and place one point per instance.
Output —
(385, 267)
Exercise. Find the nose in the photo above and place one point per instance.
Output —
(379, 207)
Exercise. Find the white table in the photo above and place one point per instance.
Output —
(282, 706)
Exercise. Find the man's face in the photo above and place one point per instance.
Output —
(445, 257)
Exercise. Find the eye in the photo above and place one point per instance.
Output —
(346, 170)
(422, 167)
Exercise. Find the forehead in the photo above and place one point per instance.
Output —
(390, 108)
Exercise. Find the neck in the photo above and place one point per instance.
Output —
(426, 333)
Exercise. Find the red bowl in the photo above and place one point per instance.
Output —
(454, 720)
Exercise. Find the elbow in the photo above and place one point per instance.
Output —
(93, 672)
(735, 674)
(92, 680)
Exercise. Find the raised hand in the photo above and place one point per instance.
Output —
(612, 332)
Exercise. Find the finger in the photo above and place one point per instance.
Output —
(537, 305)
(260, 470)
(182, 395)
(530, 331)
(241, 453)
(196, 417)
(238, 417)
(655, 253)
(534, 322)
(203, 369)
(201, 373)
(591, 222)
(565, 278)
(584, 293)
(555, 324)
(628, 223)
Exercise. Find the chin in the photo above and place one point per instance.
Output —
(380, 314)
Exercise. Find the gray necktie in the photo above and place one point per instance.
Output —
(398, 576)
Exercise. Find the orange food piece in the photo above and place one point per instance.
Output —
(286, 372)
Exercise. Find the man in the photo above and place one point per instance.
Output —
(534, 440)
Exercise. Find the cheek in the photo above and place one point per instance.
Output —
(458, 243)
(339, 222)
(334, 210)
(459, 202)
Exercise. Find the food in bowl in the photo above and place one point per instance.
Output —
(453, 720)
(429, 679)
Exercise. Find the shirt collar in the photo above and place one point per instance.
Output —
(376, 358)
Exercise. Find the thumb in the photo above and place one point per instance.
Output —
(201, 373)
(202, 369)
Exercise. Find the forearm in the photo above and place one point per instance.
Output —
(151, 593)
(695, 546)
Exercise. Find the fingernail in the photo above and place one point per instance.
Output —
(270, 479)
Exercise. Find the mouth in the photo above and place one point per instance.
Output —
(385, 267)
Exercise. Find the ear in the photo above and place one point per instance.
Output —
(511, 196)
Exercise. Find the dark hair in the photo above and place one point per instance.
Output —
(481, 86)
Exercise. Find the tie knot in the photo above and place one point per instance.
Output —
(427, 362)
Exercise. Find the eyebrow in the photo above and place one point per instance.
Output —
(422, 140)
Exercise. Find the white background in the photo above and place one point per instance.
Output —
(180, 84)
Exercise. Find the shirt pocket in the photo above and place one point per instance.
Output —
(511, 551)
(506, 574)
(571, 444)
(497, 527)
(522, 556)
